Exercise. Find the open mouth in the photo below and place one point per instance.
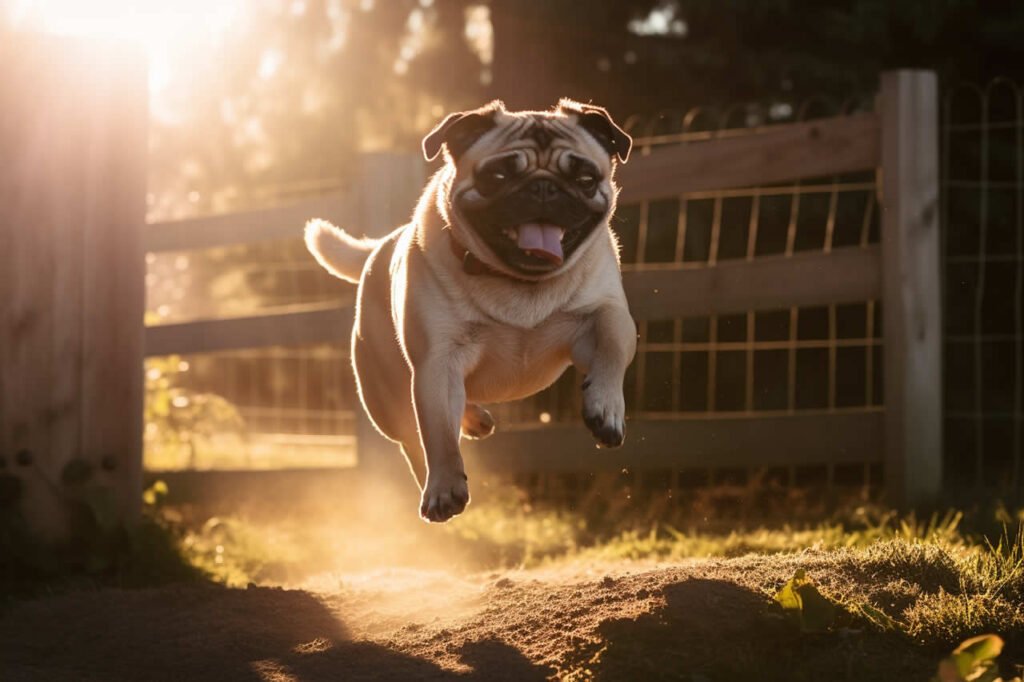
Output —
(541, 242)
(534, 236)
(535, 243)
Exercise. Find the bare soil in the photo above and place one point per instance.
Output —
(700, 620)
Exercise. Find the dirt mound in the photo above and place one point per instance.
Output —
(701, 620)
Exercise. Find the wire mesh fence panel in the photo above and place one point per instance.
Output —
(983, 257)
(262, 377)
(262, 408)
(269, 408)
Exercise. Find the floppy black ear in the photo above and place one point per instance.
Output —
(459, 131)
(598, 122)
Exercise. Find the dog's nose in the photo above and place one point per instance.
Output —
(542, 190)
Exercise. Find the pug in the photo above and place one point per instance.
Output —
(506, 275)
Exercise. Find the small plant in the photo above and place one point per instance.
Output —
(805, 605)
(973, 661)
(178, 419)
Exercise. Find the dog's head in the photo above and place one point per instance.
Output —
(527, 191)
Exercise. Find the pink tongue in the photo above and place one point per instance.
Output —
(541, 241)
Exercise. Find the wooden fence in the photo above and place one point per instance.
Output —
(900, 141)
(84, 307)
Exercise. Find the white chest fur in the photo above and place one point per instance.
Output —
(516, 362)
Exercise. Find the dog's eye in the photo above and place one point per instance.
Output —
(495, 173)
(586, 181)
(491, 178)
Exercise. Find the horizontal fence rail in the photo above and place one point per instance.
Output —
(845, 275)
(779, 153)
(379, 197)
(789, 440)
(313, 324)
(281, 222)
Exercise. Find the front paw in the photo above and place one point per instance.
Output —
(446, 495)
(604, 413)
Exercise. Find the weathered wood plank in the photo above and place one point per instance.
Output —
(912, 287)
(837, 438)
(307, 325)
(32, 206)
(114, 273)
(385, 187)
(281, 222)
(842, 276)
(773, 154)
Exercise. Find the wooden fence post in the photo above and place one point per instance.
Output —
(72, 206)
(388, 186)
(911, 301)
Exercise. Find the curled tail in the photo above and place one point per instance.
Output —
(339, 252)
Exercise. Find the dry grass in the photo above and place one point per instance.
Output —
(514, 589)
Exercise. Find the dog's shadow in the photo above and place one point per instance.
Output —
(212, 633)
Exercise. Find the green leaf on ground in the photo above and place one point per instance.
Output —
(808, 607)
(973, 661)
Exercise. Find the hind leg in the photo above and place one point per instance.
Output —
(477, 423)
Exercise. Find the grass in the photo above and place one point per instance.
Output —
(929, 579)
(917, 583)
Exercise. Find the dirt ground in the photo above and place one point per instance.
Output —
(700, 620)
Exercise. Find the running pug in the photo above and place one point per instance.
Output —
(507, 273)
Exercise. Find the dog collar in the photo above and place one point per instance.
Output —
(473, 266)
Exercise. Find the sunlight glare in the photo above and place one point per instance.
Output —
(162, 27)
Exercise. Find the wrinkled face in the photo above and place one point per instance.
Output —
(530, 191)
